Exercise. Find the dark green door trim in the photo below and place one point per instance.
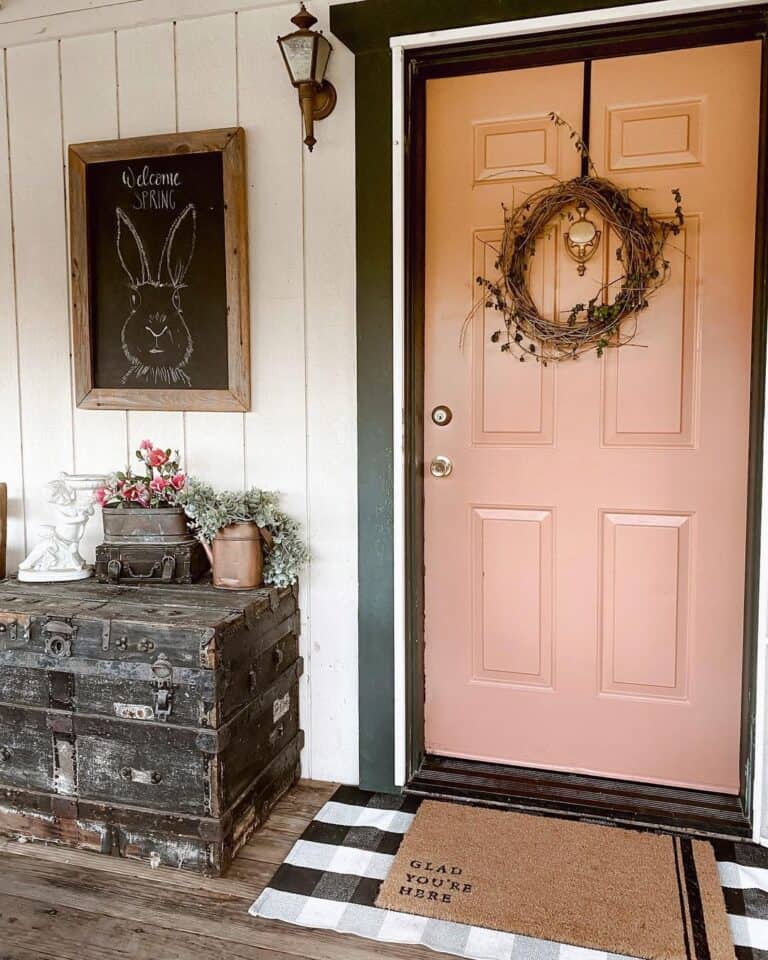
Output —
(366, 27)
(373, 85)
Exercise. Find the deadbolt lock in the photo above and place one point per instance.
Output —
(442, 415)
(441, 467)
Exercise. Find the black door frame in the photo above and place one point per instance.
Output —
(529, 788)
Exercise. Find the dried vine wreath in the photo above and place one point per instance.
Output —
(596, 324)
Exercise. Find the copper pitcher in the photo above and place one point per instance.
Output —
(236, 557)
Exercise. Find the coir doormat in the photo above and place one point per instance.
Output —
(607, 889)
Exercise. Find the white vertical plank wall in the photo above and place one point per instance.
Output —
(208, 99)
(331, 432)
(37, 193)
(11, 466)
(89, 112)
(276, 458)
(146, 99)
(299, 436)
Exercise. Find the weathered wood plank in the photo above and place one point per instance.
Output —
(20, 953)
(83, 935)
(245, 880)
(94, 902)
(268, 847)
(218, 915)
(203, 597)
(306, 798)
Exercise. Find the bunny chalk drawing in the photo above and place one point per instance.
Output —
(155, 337)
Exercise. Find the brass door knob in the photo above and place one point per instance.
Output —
(441, 467)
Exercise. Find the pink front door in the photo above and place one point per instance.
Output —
(585, 559)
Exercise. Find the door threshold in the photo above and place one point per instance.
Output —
(577, 795)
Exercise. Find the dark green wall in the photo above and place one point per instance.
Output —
(366, 28)
(369, 25)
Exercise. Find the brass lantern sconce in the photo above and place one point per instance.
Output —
(306, 53)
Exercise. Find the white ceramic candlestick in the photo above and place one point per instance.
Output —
(56, 557)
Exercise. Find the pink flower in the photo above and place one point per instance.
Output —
(101, 496)
(130, 493)
(178, 480)
(144, 497)
(158, 484)
(145, 445)
(157, 457)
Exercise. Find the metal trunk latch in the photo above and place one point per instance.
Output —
(58, 636)
(8, 632)
(162, 671)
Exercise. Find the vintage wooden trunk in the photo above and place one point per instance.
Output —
(155, 722)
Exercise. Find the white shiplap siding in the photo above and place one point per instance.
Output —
(152, 75)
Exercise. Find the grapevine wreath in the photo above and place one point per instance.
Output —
(598, 323)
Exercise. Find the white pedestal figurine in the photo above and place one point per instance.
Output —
(56, 557)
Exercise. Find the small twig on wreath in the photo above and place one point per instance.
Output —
(578, 143)
(597, 324)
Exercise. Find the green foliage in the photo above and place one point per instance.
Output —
(209, 510)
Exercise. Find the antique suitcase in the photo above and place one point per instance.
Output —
(184, 562)
(159, 723)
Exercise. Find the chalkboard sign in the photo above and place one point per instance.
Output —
(159, 247)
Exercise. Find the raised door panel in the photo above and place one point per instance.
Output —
(519, 409)
(655, 135)
(512, 586)
(646, 572)
(651, 386)
(515, 149)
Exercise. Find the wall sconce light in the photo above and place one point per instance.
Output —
(306, 53)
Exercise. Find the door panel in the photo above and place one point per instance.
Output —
(645, 564)
(585, 558)
(519, 410)
(650, 391)
(512, 564)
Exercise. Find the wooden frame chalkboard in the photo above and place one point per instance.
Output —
(159, 259)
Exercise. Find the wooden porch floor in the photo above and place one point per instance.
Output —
(60, 904)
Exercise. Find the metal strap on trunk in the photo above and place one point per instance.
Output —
(162, 672)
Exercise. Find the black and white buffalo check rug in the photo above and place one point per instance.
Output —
(331, 878)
